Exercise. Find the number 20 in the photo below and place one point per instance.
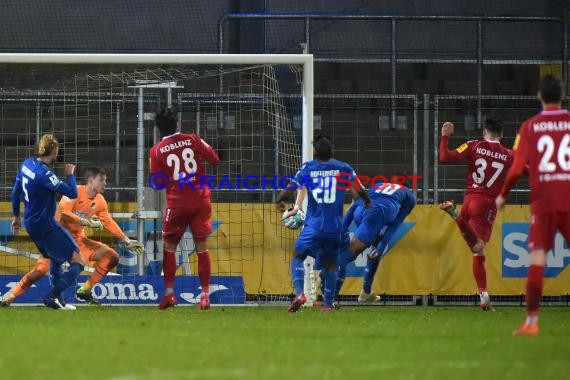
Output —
(325, 186)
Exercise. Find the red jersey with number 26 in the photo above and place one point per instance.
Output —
(487, 164)
(181, 158)
(543, 143)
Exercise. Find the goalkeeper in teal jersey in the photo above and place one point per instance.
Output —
(391, 203)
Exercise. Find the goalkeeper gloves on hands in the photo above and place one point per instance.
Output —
(133, 245)
(93, 223)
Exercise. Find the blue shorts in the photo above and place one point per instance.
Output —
(312, 242)
(370, 222)
(56, 244)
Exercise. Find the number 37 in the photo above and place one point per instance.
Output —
(479, 173)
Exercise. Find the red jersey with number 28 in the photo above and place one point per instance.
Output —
(181, 158)
(487, 164)
(543, 143)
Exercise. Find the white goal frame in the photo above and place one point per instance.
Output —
(307, 88)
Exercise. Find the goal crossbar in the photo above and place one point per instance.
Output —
(306, 60)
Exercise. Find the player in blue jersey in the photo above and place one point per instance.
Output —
(391, 203)
(322, 177)
(37, 185)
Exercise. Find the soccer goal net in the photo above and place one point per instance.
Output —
(255, 110)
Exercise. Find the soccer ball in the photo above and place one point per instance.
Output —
(296, 221)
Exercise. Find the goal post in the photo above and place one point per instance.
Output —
(95, 96)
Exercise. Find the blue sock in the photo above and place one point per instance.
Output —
(341, 274)
(344, 257)
(329, 290)
(67, 278)
(322, 276)
(298, 274)
(369, 272)
(55, 272)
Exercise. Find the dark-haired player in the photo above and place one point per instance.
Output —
(487, 165)
(391, 203)
(181, 156)
(323, 222)
(543, 143)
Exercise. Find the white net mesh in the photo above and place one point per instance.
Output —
(246, 112)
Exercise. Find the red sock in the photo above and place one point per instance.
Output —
(480, 273)
(467, 232)
(534, 289)
(204, 270)
(169, 268)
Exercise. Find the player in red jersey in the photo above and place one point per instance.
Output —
(180, 156)
(543, 143)
(488, 162)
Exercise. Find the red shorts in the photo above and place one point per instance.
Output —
(479, 213)
(543, 226)
(175, 221)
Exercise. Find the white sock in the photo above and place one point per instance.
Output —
(530, 319)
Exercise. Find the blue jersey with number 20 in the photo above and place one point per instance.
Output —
(325, 198)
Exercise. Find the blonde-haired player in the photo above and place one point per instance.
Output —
(36, 185)
(89, 209)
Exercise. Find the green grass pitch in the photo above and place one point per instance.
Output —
(355, 343)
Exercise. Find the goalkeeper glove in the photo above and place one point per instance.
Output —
(93, 223)
(133, 245)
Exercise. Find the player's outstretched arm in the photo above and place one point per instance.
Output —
(108, 222)
(68, 189)
(209, 153)
(282, 197)
(301, 194)
(446, 155)
(293, 185)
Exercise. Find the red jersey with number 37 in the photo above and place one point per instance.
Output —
(543, 143)
(181, 156)
(487, 164)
